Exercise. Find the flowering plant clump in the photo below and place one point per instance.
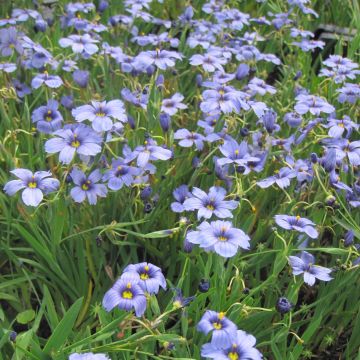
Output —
(180, 179)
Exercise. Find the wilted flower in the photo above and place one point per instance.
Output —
(87, 186)
(305, 265)
(151, 277)
(35, 184)
(126, 294)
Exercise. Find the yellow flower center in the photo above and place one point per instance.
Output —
(144, 276)
(75, 144)
(177, 304)
(32, 185)
(217, 326)
(236, 152)
(222, 238)
(85, 185)
(100, 114)
(233, 356)
(127, 294)
(341, 125)
(210, 207)
(298, 217)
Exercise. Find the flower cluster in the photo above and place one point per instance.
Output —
(130, 290)
(227, 342)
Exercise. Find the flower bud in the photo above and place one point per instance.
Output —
(283, 305)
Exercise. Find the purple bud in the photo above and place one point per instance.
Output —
(195, 162)
(103, 5)
(204, 285)
(67, 101)
(40, 25)
(165, 122)
(269, 120)
(283, 305)
(159, 82)
(188, 246)
(147, 208)
(13, 335)
(244, 131)
(329, 160)
(81, 77)
(314, 158)
(297, 75)
(349, 238)
(145, 193)
(199, 80)
(131, 122)
(150, 70)
(242, 71)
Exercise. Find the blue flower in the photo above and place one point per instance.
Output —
(100, 114)
(34, 185)
(47, 117)
(242, 348)
(171, 106)
(189, 138)
(120, 173)
(297, 223)
(258, 86)
(210, 204)
(337, 127)
(313, 104)
(180, 194)
(281, 178)
(87, 187)
(80, 44)
(52, 81)
(88, 356)
(74, 138)
(223, 330)
(209, 62)
(126, 294)
(235, 153)
(150, 151)
(160, 58)
(220, 237)
(305, 265)
(151, 277)
(10, 41)
(349, 93)
(179, 301)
